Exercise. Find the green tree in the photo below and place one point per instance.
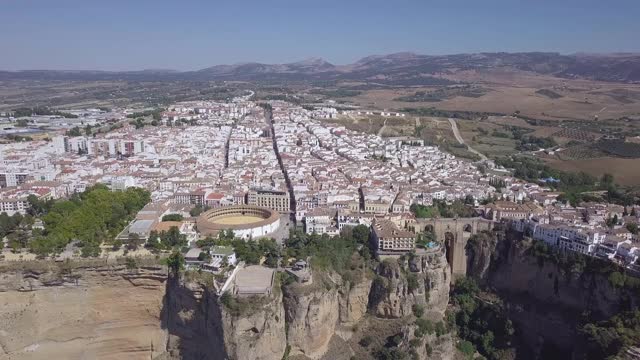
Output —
(175, 262)
(116, 245)
(90, 217)
(75, 131)
(133, 241)
(90, 249)
(172, 217)
(466, 348)
(361, 234)
(607, 179)
(196, 211)
(131, 263)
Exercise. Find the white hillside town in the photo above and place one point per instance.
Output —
(317, 176)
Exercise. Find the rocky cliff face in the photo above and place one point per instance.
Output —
(202, 327)
(353, 299)
(82, 313)
(256, 333)
(480, 253)
(545, 300)
(115, 312)
(415, 280)
(436, 279)
(521, 274)
(312, 313)
(430, 346)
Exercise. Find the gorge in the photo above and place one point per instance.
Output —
(392, 309)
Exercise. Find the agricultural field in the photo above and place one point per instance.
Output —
(531, 95)
(625, 171)
(620, 148)
(577, 134)
(580, 152)
(444, 93)
(481, 135)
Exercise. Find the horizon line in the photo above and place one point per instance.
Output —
(584, 53)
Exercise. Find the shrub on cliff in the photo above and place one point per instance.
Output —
(608, 339)
(466, 348)
(418, 310)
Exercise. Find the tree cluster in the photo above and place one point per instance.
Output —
(485, 325)
(166, 240)
(21, 112)
(90, 218)
(335, 253)
(607, 339)
(172, 217)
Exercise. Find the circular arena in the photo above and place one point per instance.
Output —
(246, 221)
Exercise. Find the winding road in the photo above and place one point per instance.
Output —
(456, 133)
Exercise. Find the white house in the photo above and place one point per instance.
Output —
(220, 253)
(629, 252)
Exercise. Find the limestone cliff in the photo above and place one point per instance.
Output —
(102, 312)
(545, 299)
(312, 315)
(257, 333)
(203, 326)
(353, 300)
(115, 312)
(436, 279)
(520, 273)
(421, 279)
(429, 346)
(480, 252)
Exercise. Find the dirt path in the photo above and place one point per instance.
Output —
(456, 133)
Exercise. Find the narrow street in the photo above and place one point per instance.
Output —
(292, 205)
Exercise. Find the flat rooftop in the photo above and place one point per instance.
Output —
(254, 279)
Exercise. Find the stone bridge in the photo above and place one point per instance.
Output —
(454, 233)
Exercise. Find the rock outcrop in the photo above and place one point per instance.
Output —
(421, 279)
(204, 326)
(353, 300)
(480, 250)
(436, 278)
(518, 273)
(257, 333)
(312, 315)
(429, 346)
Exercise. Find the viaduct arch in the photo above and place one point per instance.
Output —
(454, 233)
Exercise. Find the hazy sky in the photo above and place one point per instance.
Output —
(185, 35)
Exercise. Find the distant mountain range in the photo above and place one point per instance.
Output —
(393, 69)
